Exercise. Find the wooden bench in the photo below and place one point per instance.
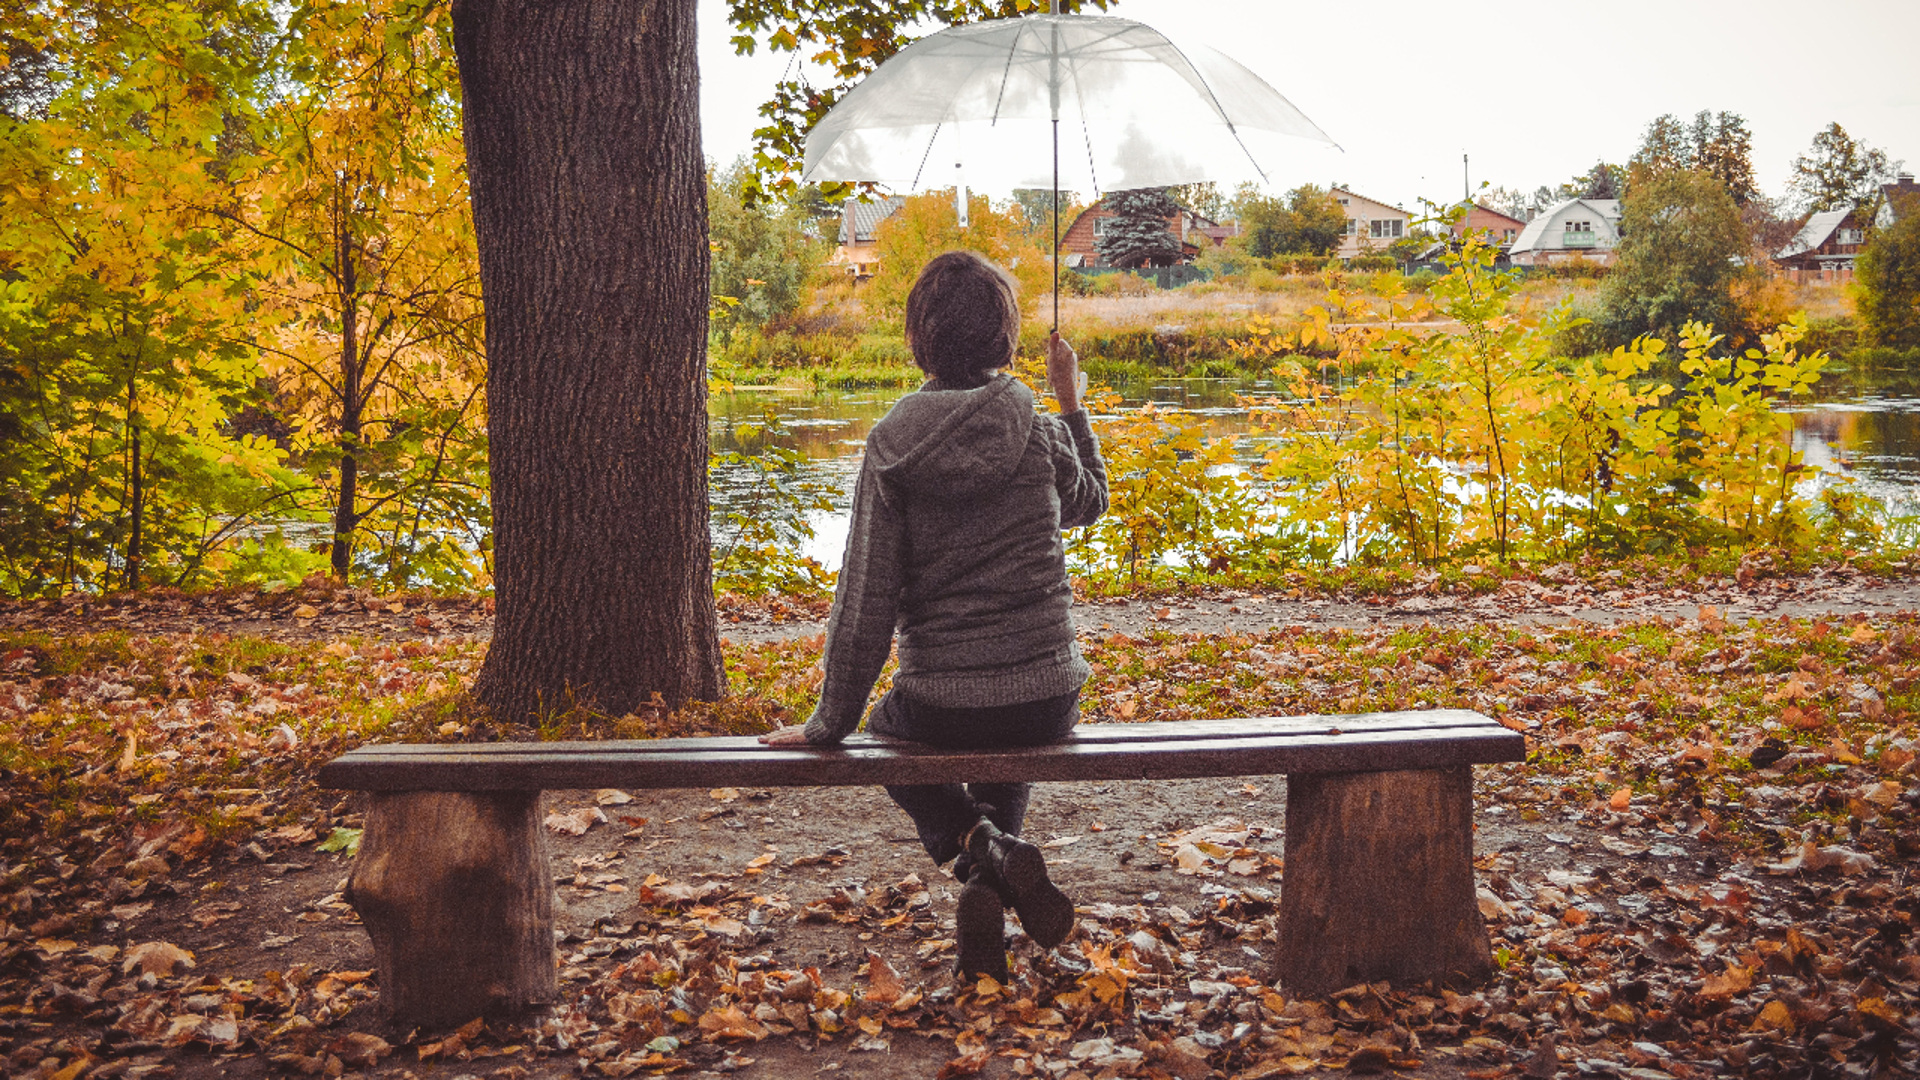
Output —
(453, 885)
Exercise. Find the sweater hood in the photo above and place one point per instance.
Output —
(955, 440)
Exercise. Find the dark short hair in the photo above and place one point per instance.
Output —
(962, 318)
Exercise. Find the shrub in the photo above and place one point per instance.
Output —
(1683, 252)
(1889, 284)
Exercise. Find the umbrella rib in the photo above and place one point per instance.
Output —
(1086, 136)
(924, 154)
(1006, 75)
(1232, 128)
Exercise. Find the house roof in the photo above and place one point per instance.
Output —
(1534, 236)
(1814, 233)
(1490, 210)
(867, 217)
(1373, 202)
(1900, 198)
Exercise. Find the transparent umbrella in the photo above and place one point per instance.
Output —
(1073, 101)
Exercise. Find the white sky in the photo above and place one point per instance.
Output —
(1535, 91)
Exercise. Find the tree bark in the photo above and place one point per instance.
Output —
(137, 492)
(345, 520)
(457, 895)
(1379, 881)
(589, 196)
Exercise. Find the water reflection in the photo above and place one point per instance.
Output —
(1864, 428)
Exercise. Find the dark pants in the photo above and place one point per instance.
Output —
(942, 812)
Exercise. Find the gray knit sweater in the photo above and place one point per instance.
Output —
(955, 542)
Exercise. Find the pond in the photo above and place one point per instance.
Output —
(1866, 428)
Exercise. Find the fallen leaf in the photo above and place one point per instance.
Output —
(964, 1065)
(1774, 1015)
(157, 958)
(576, 821)
(360, 1049)
(1735, 980)
(886, 986)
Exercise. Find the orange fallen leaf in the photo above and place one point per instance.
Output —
(156, 958)
(886, 986)
(1735, 980)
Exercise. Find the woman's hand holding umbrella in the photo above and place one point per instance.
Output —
(1063, 371)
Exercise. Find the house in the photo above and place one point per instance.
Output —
(1196, 233)
(1569, 230)
(1825, 246)
(1897, 200)
(1494, 226)
(855, 248)
(1371, 224)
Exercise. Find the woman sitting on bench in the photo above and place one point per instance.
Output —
(955, 541)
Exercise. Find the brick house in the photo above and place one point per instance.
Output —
(1494, 226)
(1897, 200)
(1196, 234)
(1825, 247)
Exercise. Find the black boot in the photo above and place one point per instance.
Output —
(1021, 871)
(980, 926)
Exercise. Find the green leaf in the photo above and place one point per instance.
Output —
(346, 841)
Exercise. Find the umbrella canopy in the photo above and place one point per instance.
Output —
(1125, 107)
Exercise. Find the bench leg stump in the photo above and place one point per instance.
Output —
(1378, 882)
(455, 891)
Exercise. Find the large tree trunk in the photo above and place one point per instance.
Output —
(589, 196)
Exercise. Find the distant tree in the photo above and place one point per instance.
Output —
(1603, 181)
(1682, 255)
(1723, 148)
(1717, 144)
(1205, 199)
(1035, 209)
(1770, 224)
(1138, 235)
(1664, 147)
(1306, 221)
(925, 225)
(761, 256)
(1506, 200)
(1889, 277)
(1838, 172)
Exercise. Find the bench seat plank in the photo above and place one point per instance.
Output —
(1141, 751)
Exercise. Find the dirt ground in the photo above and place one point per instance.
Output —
(800, 878)
(1539, 601)
(1104, 847)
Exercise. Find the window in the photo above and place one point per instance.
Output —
(1353, 227)
(1579, 226)
(1852, 236)
(1100, 226)
(1508, 235)
(1387, 228)
(1343, 202)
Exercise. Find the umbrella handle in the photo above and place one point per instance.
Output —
(1056, 215)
